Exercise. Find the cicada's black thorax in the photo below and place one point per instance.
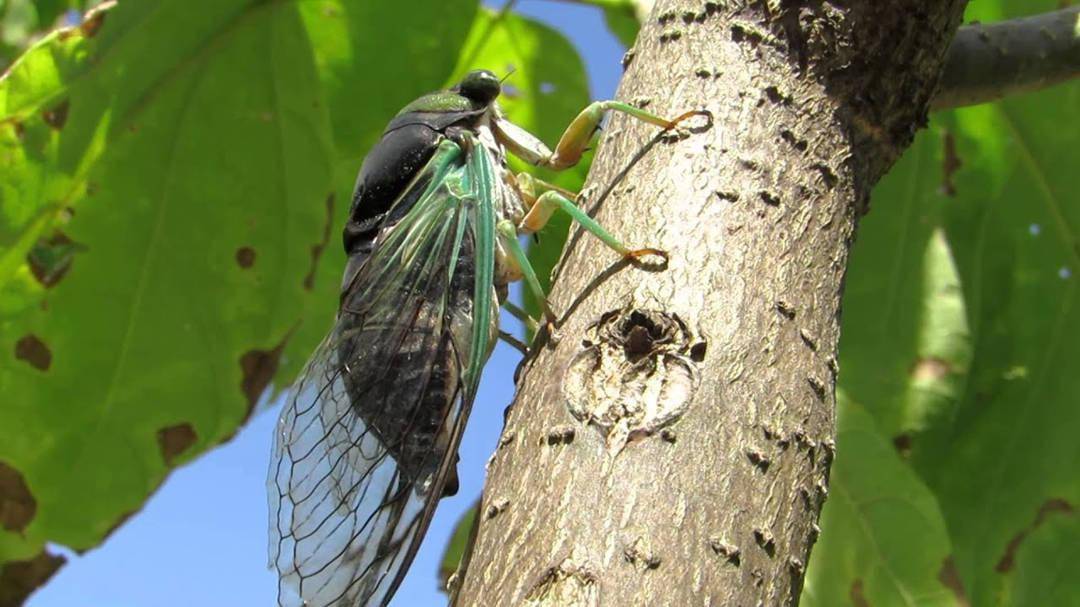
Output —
(405, 147)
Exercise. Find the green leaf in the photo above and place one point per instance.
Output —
(1047, 560)
(168, 230)
(883, 540)
(376, 57)
(194, 237)
(459, 542)
(624, 17)
(546, 89)
(905, 347)
(960, 325)
(1010, 444)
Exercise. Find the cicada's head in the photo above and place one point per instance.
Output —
(473, 96)
(481, 86)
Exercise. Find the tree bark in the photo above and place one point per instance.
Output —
(988, 62)
(672, 447)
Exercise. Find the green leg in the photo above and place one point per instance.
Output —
(509, 233)
(546, 204)
(530, 323)
(576, 138)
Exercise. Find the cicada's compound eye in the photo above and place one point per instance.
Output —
(481, 86)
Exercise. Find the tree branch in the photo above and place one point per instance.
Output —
(988, 62)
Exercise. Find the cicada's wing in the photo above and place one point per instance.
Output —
(368, 439)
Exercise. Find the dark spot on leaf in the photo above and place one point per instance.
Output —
(17, 504)
(950, 163)
(259, 367)
(930, 368)
(50, 259)
(317, 248)
(94, 20)
(20, 578)
(19, 129)
(56, 116)
(950, 578)
(245, 257)
(174, 440)
(33, 351)
(1050, 506)
(858, 599)
(902, 443)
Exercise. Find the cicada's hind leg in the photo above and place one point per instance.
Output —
(508, 233)
(575, 139)
(531, 324)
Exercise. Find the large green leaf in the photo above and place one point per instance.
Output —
(171, 186)
(883, 540)
(376, 57)
(960, 325)
(1010, 447)
(905, 345)
(193, 217)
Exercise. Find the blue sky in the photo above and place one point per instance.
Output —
(201, 539)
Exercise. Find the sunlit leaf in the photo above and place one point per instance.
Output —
(169, 222)
(459, 543)
(883, 541)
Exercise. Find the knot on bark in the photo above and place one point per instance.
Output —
(635, 374)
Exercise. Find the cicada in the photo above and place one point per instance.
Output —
(367, 442)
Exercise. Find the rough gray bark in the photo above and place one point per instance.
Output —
(673, 446)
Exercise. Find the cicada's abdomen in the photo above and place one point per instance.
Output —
(401, 375)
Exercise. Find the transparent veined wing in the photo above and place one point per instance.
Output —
(368, 437)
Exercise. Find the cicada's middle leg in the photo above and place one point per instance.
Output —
(542, 198)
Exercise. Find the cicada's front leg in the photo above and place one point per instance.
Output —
(575, 139)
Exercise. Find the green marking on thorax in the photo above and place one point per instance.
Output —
(442, 101)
